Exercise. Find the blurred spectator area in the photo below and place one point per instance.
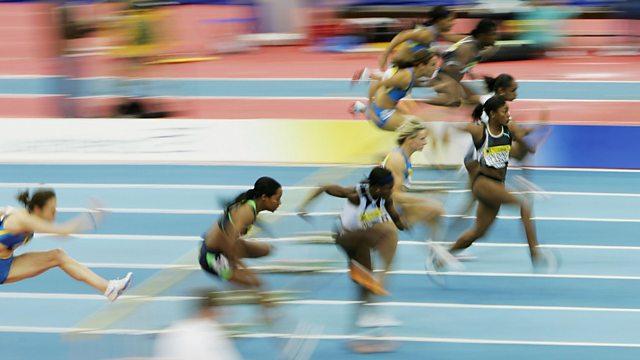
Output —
(575, 24)
(86, 40)
(67, 40)
(34, 30)
(29, 30)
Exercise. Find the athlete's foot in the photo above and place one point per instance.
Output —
(117, 287)
(360, 75)
(545, 262)
(442, 258)
(433, 264)
(358, 107)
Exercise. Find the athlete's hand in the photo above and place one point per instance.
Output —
(303, 214)
(96, 212)
(400, 224)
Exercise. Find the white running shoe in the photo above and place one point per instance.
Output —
(358, 107)
(439, 260)
(434, 269)
(373, 319)
(385, 319)
(465, 255)
(547, 262)
(115, 288)
(444, 257)
(360, 75)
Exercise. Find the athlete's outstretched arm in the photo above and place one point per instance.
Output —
(422, 36)
(334, 190)
(26, 222)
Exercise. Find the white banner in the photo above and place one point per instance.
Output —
(211, 141)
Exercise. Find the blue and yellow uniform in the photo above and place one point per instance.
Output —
(415, 46)
(383, 115)
(10, 241)
(408, 167)
(213, 261)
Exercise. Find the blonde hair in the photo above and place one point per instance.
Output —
(411, 126)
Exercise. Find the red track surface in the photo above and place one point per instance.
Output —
(522, 110)
(297, 62)
(560, 112)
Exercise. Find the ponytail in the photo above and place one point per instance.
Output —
(23, 197)
(36, 200)
(493, 104)
(476, 115)
(263, 186)
(502, 81)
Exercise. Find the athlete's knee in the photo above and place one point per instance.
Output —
(525, 209)
(437, 211)
(453, 102)
(57, 257)
(264, 250)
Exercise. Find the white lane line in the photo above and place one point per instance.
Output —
(60, 330)
(320, 238)
(196, 267)
(325, 213)
(312, 302)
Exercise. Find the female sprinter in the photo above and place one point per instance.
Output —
(385, 95)
(365, 225)
(17, 227)
(412, 137)
(459, 59)
(223, 248)
(419, 38)
(493, 142)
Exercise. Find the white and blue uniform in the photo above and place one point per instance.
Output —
(10, 241)
(368, 213)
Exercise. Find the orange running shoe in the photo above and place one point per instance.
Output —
(365, 278)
